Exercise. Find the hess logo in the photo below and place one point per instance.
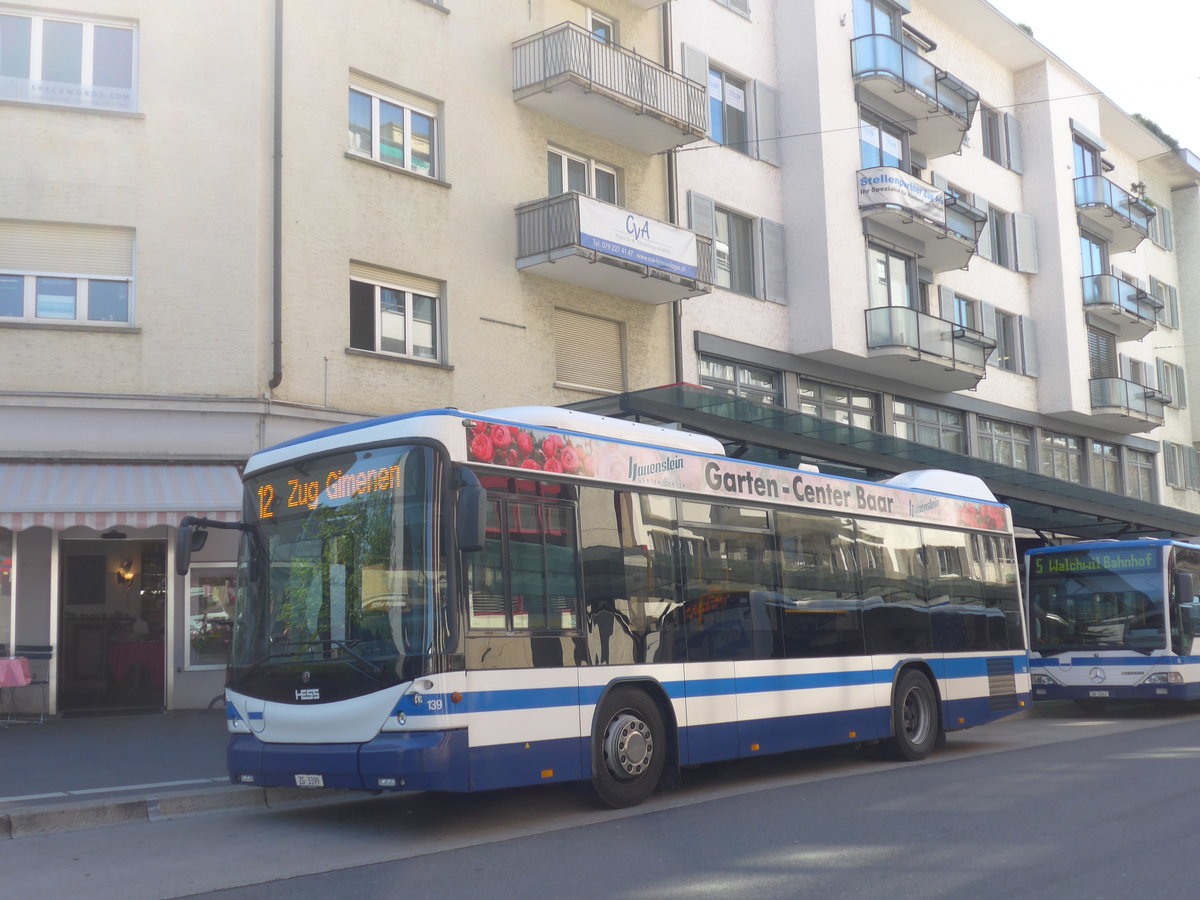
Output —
(308, 693)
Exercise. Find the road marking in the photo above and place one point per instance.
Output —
(112, 790)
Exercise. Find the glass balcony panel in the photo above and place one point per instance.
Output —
(1118, 393)
(881, 54)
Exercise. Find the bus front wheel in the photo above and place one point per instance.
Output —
(629, 748)
(915, 722)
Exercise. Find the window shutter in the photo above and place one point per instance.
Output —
(1025, 242)
(1164, 380)
(1012, 131)
(1029, 357)
(1165, 228)
(1173, 305)
(55, 249)
(695, 65)
(362, 315)
(588, 352)
(945, 302)
(702, 215)
(988, 326)
(774, 261)
(984, 247)
(939, 180)
(1180, 387)
(766, 123)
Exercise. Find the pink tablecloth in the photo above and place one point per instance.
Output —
(14, 672)
(123, 654)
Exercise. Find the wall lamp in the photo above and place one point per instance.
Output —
(125, 573)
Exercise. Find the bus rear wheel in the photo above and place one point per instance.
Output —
(628, 748)
(915, 721)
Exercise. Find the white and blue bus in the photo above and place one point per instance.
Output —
(1114, 620)
(454, 602)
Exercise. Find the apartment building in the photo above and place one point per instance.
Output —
(879, 236)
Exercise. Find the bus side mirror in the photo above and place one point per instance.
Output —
(188, 541)
(1185, 588)
(472, 513)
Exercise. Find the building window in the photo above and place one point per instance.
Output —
(876, 17)
(934, 426)
(834, 403)
(749, 382)
(1169, 297)
(1106, 467)
(1001, 137)
(733, 244)
(85, 64)
(1000, 247)
(1181, 466)
(1139, 474)
(589, 352)
(890, 279)
(396, 129)
(1102, 353)
(602, 27)
(1005, 355)
(1087, 158)
(1062, 456)
(1161, 230)
(727, 110)
(1005, 443)
(965, 313)
(881, 142)
(388, 315)
(1173, 383)
(65, 273)
(568, 172)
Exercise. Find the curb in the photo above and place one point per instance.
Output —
(33, 821)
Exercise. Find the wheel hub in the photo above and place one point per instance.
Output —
(628, 746)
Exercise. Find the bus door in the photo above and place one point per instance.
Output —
(726, 569)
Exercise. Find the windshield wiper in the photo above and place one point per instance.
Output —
(287, 647)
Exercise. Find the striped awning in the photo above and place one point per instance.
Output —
(104, 495)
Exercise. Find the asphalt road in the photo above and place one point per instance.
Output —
(1052, 804)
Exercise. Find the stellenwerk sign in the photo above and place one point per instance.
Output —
(894, 187)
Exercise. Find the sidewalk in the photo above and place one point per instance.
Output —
(75, 773)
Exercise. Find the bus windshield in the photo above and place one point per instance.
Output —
(1110, 599)
(341, 567)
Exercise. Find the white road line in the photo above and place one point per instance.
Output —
(111, 790)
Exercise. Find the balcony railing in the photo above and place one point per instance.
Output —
(1123, 306)
(1128, 398)
(564, 237)
(613, 88)
(947, 225)
(941, 105)
(951, 344)
(1122, 216)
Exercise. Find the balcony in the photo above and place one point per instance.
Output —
(916, 348)
(1125, 406)
(596, 245)
(940, 106)
(1117, 215)
(1120, 307)
(565, 72)
(947, 226)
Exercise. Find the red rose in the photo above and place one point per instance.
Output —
(551, 446)
(524, 442)
(530, 464)
(553, 465)
(480, 428)
(501, 436)
(569, 459)
(481, 448)
(511, 457)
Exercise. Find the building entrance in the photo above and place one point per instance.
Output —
(112, 625)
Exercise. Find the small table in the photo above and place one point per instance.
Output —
(14, 672)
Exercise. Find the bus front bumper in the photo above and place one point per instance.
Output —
(393, 761)
(1116, 692)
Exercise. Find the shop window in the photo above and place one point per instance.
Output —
(212, 595)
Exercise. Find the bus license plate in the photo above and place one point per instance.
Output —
(1090, 694)
(310, 781)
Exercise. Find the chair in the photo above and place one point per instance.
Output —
(34, 653)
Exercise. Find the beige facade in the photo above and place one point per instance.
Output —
(226, 224)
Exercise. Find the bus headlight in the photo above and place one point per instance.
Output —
(1164, 678)
(1040, 679)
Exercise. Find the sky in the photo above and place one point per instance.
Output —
(1144, 54)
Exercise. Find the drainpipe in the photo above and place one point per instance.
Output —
(672, 206)
(277, 211)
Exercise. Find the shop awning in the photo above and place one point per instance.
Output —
(1039, 503)
(105, 495)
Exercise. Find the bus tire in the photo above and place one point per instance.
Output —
(915, 721)
(628, 748)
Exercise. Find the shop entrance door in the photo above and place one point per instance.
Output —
(113, 618)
